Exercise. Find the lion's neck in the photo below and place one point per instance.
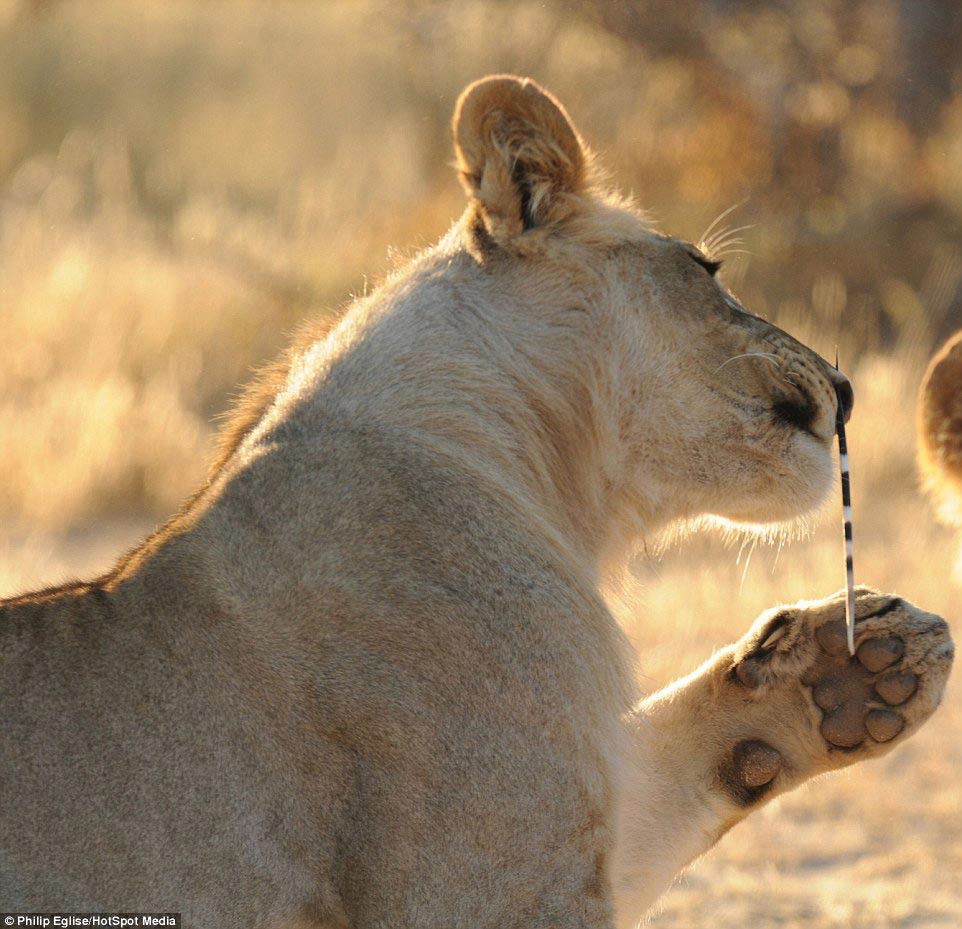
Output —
(502, 388)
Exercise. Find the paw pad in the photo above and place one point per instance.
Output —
(845, 726)
(750, 771)
(878, 654)
(833, 638)
(794, 669)
(896, 687)
(755, 763)
(883, 725)
(848, 690)
(829, 694)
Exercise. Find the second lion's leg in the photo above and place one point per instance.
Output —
(783, 704)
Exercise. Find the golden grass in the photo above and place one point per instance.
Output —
(181, 183)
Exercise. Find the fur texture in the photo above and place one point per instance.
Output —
(366, 677)
(940, 429)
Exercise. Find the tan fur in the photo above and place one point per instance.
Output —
(256, 398)
(366, 677)
(940, 429)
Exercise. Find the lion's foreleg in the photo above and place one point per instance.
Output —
(783, 704)
(671, 810)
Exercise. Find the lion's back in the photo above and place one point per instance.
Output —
(441, 640)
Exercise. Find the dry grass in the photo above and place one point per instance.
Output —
(180, 185)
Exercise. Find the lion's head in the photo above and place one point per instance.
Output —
(696, 406)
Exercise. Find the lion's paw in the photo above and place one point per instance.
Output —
(809, 706)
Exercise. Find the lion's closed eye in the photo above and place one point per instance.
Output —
(712, 267)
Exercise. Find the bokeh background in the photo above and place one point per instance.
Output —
(181, 183)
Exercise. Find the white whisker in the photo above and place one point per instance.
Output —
(720, 217)
(768, 356)
(725, 237)
(748, 560)
(730, 251)
(778, 551)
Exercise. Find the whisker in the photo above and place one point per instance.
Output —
(724, 237)
(729, 235)
(720, 217)
(768, 356)
(731, 251)
(778, 551)
(719, 253)
(748, 560)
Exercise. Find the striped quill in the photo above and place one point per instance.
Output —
(847, 519)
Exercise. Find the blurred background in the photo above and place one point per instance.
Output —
(181, 183)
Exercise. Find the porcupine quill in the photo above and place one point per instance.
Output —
(846, 516)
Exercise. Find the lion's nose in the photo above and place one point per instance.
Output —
(844, 392)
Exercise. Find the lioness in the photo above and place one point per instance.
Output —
(366, 678)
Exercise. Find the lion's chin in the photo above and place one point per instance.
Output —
(786, 506)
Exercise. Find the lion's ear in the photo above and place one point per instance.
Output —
(519, 156)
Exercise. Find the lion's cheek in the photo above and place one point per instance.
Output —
(778, 479)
